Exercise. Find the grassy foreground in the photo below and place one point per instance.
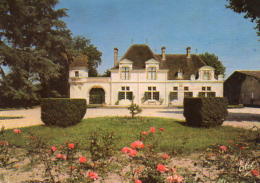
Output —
(175, 137)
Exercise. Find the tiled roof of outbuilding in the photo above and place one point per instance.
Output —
(255, 74)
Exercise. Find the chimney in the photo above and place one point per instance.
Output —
(163, 53)
(115, 56)
(188, 49)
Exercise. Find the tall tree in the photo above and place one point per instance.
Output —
(81, 45)
(32, 42)
(213, 61)
(251, 8)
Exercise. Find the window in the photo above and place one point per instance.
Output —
(188, 94)
(151, 73)
(125, 93)
(202, 94)
(175, 88)
(173, 96)
(186, 88)
(125, 73)
(206, 75)
(211, 94)
(206, 92)
(76, 73)
(152, 94)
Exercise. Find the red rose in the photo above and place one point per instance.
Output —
(92, 175)
(161, 168)
(125, 150)
(152, 129)
(255, 172)
(82, 159)
(71, 146)
(161, 129)
(132, 153)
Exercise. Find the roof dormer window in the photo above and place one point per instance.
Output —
(206, 75)
(151, 73)
(125, 74)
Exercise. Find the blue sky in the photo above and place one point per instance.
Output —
(205, 25)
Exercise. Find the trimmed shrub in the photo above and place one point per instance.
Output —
(62, 111)
(205, 112)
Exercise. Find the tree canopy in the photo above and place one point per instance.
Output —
(251, 8)
(213, 61)
(36, 49)
(82, 45)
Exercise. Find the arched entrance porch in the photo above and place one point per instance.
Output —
(96, 95)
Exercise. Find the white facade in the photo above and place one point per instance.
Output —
(146, 86)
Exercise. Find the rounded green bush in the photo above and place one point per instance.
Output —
(62, 112)
(205, 112)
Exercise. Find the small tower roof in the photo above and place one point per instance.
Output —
(80, 61)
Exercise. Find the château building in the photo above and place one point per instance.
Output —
(147, 78)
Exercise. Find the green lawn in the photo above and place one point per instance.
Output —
(176, 137)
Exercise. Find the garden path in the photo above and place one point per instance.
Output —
(244, 117)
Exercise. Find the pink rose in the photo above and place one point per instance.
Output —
(138, 181)
(165, 156)
(17, 131)
(137, 144)
(223, 148)
(53, 148)
(144, 133)
(61, 156)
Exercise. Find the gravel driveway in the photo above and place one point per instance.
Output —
(244, 117)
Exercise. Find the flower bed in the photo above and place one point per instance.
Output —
(138, 162)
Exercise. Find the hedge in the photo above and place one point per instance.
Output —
(205, 112)
(62, 112)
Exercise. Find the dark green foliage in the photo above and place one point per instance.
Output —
(32, 42)
(205, 112)
(212, 60)
(250, 9)
(134, 109)
(102, 144)
(62, 111)
(82, 45)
